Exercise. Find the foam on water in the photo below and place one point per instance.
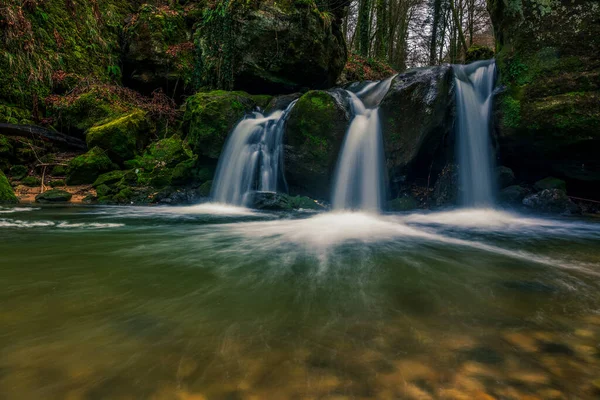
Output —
(17, 209)
(10, 223)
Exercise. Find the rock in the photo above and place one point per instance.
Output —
(281, 102)
(446, 189)
(87, 167)
(270, 201)
(549, 62)
(53, 196)
(404, 203)
(417, 120)
(122, 137)
(18, 172)
(505, 176)
(315, 131)
(551, 183)
(109, 178)
(210, 117)
(158, 51)
(238, 49)
(551, 201)
(58, 183)
(205, 189)
(7, 195)
(273, 201)
(513, 195)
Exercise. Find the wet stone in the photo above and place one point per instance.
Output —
(556, 348)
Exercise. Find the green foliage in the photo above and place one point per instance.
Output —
(511, 112)
(15, 115)
(7, 195)
(18, 171)
(31, 181)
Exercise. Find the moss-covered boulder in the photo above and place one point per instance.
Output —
(513, 195)
(417, 120)
(272, 201)
(7, 195)
(266, 47)
(53, 196)
(210, 116)
(548, 57)
(315, 131)
(551, 183)
(31, 181)
(122, 137)
(86, 168)
(158, 51)
(478, 53)
(18, 171)
(403, 203)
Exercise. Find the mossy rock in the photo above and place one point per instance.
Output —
(315, 130)
(53, 196)
(86, 168)
(551, 183)
(513, 195)
(404, 203)
(478, 53)
(57, 183)
(31, 181)
(205, 189)
(7, 195)
(210, 116)
(18, 172)
(104, 190)
(59, 170)
(122, 138)
(109, 178)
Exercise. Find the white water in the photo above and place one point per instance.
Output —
(474, 87)
(360, 170)
(252, 158)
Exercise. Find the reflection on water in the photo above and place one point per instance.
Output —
(207, 302)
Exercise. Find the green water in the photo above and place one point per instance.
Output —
(196, 303)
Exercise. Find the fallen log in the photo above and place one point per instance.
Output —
(38, 132)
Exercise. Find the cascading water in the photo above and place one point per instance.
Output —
(360, 171)
(474, 88)
(252, 158)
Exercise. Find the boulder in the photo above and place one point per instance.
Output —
(513, 195)
(315, 131)
(122, 137)
(263, 47)
(551, 183)
(505, 176)
(53, 196)
(7, 195)
(210, 116)
(272, 201)
(478, 53)
(417, 122)
(86, 168)
(551, 201)
(548, 58)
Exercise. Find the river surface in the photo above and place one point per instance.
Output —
(212, 302)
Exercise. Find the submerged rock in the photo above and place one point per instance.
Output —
(53, 196)
(7, 195)
(417, 122)
(551, 201)
(87, 167)
(314, 134)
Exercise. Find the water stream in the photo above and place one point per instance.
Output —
(474, 87)
(252, 158)
(360, 174)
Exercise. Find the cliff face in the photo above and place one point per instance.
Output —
(548, 57)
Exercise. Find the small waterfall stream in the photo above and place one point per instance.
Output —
(474, 88)
(252, 158)
(359, 178)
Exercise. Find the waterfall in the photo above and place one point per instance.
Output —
(359, 178)
(474, 88)
(252, 158)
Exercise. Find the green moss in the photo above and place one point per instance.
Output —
(210, 116)
(7, 195)
(551, 183)
(87, 167)
(53, 196)
(59, 170)
(15, 115)
(205, 189)
(18, 171)
(109, 178)
(122, 137)
(58, 183)
(476, 53)
(511, 112)
(31, 181)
